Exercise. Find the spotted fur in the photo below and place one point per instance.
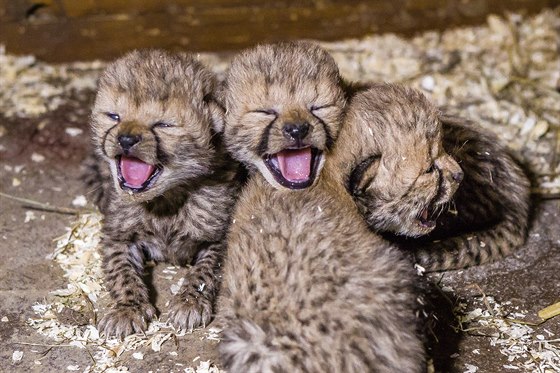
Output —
(307, 287)
(443, 182)
(181, 215)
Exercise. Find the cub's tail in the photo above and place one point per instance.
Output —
(475, 248)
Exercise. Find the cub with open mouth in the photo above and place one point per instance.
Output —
(167, 185)
(294, 122)
(307, 286)
(438, 180)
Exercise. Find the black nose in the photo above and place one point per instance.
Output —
(128, 141)
(458, 176)
(295, 131)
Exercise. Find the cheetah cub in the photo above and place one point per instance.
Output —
(167, 186)
(416, 172)
(307, 287)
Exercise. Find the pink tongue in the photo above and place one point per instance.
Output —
(135, 172)
(295, 165)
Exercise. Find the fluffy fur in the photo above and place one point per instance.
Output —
(154, 111)
(414, 172)
(307, 287)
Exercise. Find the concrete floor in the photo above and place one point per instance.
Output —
(529, 280)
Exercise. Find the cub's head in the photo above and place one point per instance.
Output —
(394, 162)
(284, 105)
(152, 122)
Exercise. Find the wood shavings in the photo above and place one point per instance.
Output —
(73, 132)
(79, 201)
(550, 311)
(29, 216)
(17, 356)
(36, 157)
(77, 254)
(175, 288)
(419, 269)
(204, 367)
(213, 334)
(525, 350)
(31, 88)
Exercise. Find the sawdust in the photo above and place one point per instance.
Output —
(31, 87)
(69, 318)
(507, 332)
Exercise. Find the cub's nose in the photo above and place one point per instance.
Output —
(458, 176)
(128, 141)
(295, 131)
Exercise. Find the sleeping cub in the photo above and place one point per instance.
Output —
(414, 172)
(167, 188)
(307, 287)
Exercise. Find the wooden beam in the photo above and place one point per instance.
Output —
(66, 30)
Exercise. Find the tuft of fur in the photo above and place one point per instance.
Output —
(182, 212)
(307, 287)
(440, 180)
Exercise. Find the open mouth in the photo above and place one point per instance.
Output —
(135, 175)
(428, 216)
(294, 168)
(426, 219)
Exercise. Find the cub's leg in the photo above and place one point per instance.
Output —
(123, 265)
(193, 305)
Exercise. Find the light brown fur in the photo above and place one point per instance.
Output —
(181, 213)
(409, 166)
(307, 287)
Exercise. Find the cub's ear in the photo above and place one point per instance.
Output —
(363, 175)
(217, 112)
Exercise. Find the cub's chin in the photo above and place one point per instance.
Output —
(293, 168)
(414, 225)
(405, 224)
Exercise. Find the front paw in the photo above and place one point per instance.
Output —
(189, 311)
(124, 320)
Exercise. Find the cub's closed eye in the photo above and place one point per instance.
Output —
(265, 111)
(319, 107)
(114, 116)
(161, 124)
(430, 169)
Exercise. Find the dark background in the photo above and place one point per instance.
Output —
(70, 30)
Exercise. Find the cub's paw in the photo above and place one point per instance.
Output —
(189, 311)
(124, 320)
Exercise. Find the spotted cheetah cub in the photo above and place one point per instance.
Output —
(416, 172)
(307, 287)
(168, 188)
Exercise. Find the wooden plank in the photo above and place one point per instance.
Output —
(21, 10)
(220, 27)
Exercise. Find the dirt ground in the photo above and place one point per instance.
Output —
(40, 160)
